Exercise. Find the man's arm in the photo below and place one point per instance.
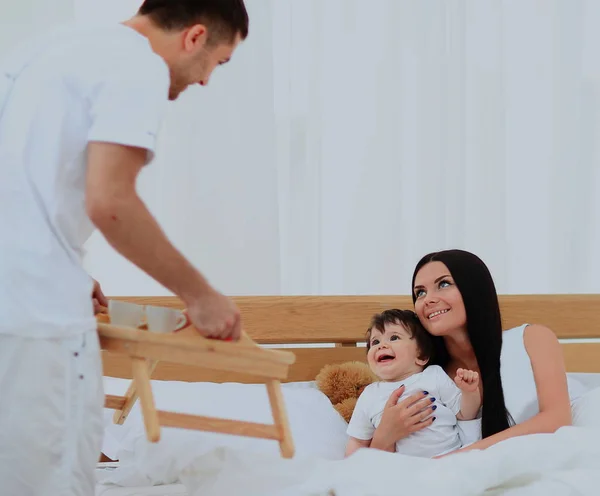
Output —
(118, 212)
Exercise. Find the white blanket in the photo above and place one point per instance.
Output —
(564, 463)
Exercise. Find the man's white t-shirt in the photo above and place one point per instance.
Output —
(80, 84)
(439, 438)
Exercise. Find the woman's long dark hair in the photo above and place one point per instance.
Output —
(484, 328)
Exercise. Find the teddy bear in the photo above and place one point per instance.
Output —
(343, 383)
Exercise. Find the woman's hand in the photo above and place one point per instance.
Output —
(399, 420)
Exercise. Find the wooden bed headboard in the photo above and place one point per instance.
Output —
(328, 328)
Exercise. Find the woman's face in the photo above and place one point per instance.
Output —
(439, 304)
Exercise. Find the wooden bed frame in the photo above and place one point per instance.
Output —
(323, 330)
(332, 326)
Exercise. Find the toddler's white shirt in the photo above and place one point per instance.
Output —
(439, 438)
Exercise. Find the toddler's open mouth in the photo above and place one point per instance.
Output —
(385, 358)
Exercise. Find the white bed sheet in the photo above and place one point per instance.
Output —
(112, 490)
(168, 490)
(561, 464)
(566, 463)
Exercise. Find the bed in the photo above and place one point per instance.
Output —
(324, 330)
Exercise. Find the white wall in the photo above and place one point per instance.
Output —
(20, 19)
(213, 186)
(344, 141)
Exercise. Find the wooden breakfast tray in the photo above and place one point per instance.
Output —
(146, 349)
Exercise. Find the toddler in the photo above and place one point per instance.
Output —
(398, 351)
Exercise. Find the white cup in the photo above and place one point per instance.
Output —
(126, 314)
(164, 320)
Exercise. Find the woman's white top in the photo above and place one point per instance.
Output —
(518, 383)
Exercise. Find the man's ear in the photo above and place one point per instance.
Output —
(195, 37)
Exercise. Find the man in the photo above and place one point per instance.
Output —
(79, 114)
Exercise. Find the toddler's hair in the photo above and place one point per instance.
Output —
(411, 323)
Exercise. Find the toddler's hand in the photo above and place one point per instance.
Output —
(467, 380)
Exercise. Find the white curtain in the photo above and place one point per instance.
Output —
(347, 138)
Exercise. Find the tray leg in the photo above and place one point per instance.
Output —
(141, 378)
(286, 443)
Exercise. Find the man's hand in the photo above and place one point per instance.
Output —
(467, 380)
(215, 316)
(100, 301)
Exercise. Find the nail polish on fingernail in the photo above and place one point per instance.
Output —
(425, 393)
(434, 407)
(433, 419)
(432, 399)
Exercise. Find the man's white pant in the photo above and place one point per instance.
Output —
(51, 415)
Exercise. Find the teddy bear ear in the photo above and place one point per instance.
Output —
(324, 374)
(326, 379)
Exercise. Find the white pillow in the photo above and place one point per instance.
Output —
(317, 429)
(586, 409)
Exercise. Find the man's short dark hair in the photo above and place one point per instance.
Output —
(224, 18)
(411, 322)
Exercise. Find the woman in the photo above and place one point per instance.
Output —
(524, 385)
